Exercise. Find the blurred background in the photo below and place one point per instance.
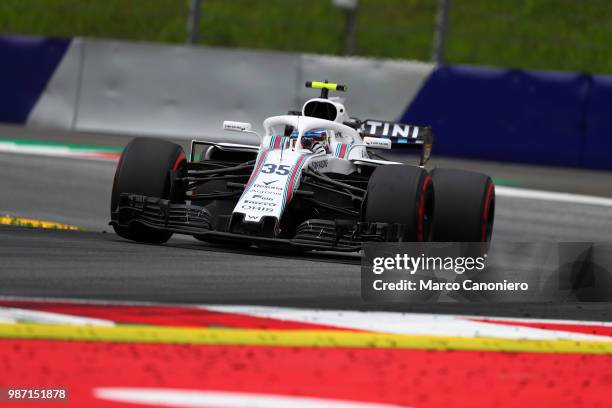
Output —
(565, 35)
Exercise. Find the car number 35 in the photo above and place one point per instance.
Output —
(281, 170)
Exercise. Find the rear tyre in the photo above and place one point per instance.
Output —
(399, 194)
(147, 167)
(465, 206)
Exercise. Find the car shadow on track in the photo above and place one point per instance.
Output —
(314, 256)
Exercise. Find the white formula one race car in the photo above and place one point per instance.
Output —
(314, 183)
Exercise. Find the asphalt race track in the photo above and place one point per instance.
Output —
(96, 264)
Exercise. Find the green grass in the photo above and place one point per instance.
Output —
(573, 35)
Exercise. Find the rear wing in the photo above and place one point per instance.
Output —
(400, 134)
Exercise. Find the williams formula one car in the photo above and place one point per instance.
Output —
(315, 182)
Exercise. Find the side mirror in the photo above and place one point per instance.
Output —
(236, 126)
(377, 142)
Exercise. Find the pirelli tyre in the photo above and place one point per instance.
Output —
(464, 207)
(148, 167)
(399, 194)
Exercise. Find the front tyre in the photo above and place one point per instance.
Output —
(399, 194)
(465, 206)
(148, 167)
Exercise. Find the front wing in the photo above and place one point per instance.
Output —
(329, 235)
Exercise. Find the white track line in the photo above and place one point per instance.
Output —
(102, 302)
(552, 196)
(52, 151)
(186, 398)
(375, 321)
(419, 324)
(14, 315)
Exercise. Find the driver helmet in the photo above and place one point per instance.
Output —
(311, 137)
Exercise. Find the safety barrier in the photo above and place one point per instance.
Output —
(513, 115)
(550, 118)
(27, 64)
(187, 92)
